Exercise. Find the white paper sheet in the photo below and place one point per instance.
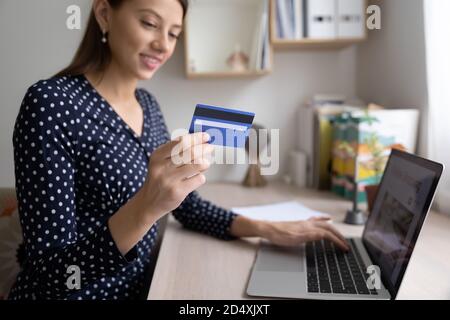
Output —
(283, 211)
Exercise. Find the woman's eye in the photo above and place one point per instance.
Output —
(149, 24)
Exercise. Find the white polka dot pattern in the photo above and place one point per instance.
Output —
(76, 163)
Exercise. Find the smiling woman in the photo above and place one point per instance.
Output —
(93, 55)
(90, 196)
(93, 167)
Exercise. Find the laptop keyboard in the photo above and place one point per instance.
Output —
(331, 270)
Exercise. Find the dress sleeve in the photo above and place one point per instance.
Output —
(203, 216)
(45, 146)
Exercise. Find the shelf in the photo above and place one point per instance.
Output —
(227, 74)
(308, 43)
(315, 44)
(213, 28)
(217, 29)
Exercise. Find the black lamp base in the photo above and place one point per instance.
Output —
(355, 217)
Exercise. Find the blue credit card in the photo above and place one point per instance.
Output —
(226, 127)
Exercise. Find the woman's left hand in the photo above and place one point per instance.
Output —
(293, 233)
(289, 233)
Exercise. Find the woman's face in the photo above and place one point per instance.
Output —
(142, 35)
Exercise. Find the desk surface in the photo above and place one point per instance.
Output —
(195, 266)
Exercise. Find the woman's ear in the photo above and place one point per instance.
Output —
(101, 10)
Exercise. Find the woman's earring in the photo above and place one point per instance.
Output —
(104, 40)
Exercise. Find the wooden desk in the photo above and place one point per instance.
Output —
(195, 266)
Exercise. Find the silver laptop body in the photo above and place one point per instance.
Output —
(404, 198)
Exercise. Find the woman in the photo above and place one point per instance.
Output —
(93, 168)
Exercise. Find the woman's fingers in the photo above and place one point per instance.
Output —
(197, 154)
(188, 170)
(190, 140)
(194, 182)
(319, 230)
(321, 218)
(336, 240)
(330, 236)
(190, 149)
(330, 228)
(189, 157)
(320, 234)
(203, 151)
(174, 148)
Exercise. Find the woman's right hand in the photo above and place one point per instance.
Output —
(175, 170)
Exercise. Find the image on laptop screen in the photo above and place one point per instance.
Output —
(402, 203)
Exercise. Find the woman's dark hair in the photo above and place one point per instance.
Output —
(92, 55)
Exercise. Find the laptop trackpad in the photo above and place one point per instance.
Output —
(280, 259)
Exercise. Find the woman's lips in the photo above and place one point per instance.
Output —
(150, 62)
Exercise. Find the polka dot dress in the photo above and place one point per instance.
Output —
(76, 163)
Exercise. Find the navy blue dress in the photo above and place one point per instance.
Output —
(76, 163)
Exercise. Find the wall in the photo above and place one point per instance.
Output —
(391, 66)
(36, 43)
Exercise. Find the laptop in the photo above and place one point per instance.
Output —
(375, 265)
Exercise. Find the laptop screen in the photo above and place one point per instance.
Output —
(403, 200)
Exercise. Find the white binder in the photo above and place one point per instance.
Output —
(298, 15)
(285, 14)
(321, 19)
(351, 19)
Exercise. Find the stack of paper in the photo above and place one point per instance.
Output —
(283, 211)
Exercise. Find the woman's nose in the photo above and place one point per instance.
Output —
(161, 43)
